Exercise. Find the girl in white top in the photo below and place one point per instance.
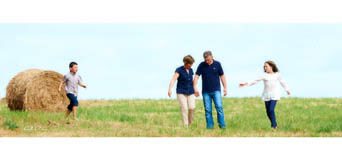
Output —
(271, 93)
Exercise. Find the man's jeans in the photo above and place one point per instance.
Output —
(207, 100)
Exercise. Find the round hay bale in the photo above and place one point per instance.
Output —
(36, 89)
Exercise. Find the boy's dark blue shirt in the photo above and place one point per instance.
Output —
(185, 81)
(210, 76)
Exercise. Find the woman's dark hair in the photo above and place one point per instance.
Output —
(188, 59)
(72, 64)
(273, 66)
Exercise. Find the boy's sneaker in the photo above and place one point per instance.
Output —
(67, 120)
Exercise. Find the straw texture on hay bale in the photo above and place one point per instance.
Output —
(36, 89)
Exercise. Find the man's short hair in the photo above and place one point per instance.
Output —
(207, 53)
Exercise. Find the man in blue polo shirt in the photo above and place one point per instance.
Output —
(211, 72)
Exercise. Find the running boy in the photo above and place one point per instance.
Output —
(71, 81)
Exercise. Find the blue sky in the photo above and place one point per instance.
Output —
(137, 60)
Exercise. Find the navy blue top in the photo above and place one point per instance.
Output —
(185, 81)
(210, 76)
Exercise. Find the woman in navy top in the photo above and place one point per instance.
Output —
(185, 89)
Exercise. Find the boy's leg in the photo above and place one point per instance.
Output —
(219, 109)
(67, 113)
(208, 110)
(74, 111)
(69, 108)
(73, 105)
(74, 108)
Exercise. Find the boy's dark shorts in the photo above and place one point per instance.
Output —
(73, 101)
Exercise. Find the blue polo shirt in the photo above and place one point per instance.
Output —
(185, 81)
(210, 76)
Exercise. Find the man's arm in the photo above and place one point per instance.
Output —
(224, 83)
(195, 85)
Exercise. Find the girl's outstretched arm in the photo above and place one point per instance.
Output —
(244, 84)
(172, 82)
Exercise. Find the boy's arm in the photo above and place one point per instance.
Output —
(80, 82)
(60, 85)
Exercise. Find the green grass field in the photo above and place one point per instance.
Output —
(245, 117)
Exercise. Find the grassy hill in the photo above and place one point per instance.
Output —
(246, 117)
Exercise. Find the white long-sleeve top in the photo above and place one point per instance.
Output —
(271, 86)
